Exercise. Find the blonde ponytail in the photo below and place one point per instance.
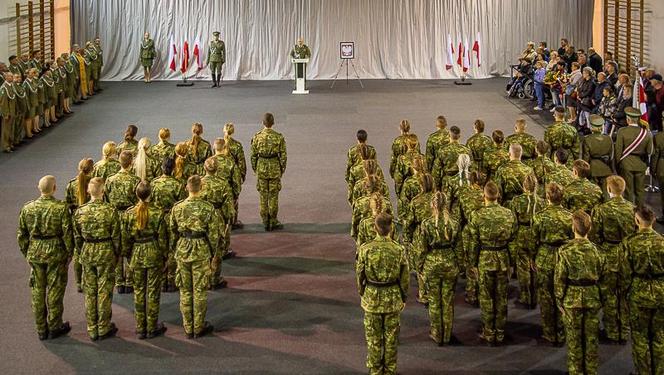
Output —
(141, 161)
(85, 167)
(439, 206)
(181, 154)
(196, 130)
(143, 194)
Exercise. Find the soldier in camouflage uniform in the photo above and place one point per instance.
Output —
(198, 150)
(471, 198)
(552, 228)
(479, 143)
(542, 166)
(412, 186)
(195, 232)
(439, 267)
(579, 270)
(75, 196)
(236, 152)
(613, 221)
(268, 161)
(164, 149)
(399, 146)
(228, 171)
(562, 135)
(217, 191)
(382, 281)
(166, 191)
(436, 141)
(45, 239)
(496, 155)
(657, 168)
(491, 228)
(145, 242)
(358, 172)
(527, 141)
(633, 148)
(597, 150)
(404, 164)
(147, 56)
(643, 280)
(121, 194)
(561, 175)
(362, 208)
(109, 165)
(367, 228)
(522, 248)
(97, 234)
(509, 177)
(353, 157)
(371, 168)
(581, 194)
(447, 159)
(216, 58)
(184, 167)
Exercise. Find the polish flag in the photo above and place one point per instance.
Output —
(460, 54)
(197, 54)
(476, 48)
(466, 56)
(639, 99)
(450, 53)
(172, 55)
(185, 57)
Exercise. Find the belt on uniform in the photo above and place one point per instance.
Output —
(97, 240)
(193, 235)
(612, 242)
(122, 208)
(494, 248)
(444, 248)
(581, 282)
(145, 239)
(40, 237)
(526, 224)
(646, 276)
(555, 243)
(218, 206)
(268, 157)
(382, 284)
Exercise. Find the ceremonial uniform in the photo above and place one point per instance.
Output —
(597, 150)
(581, 194)
(97, 233)
(479, 144)
(7, 112)
(578, 272)
(195, 231)
(147, 53)
(218, 192)
(268, 161)
(563, 135)
(21, 109)
(45, 238)
(216, 58)
(509, 179)
(382, 281)
(436, 141)
(633, 148)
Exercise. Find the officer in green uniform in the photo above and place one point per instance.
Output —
(643, 279)
(268, 161)
(21, 110)
(562, 135)
(216, 58)
(436, 140)
(121, 194)
(195, 232)
(147, 56)
(633, 148)
(15, 66)
(447, 158)
(552, 228)
(491, 228)
(300, 51)
(527, 141)
(479, 143)
(597, 150)
(97, 234)
(579, 270)
(353, 156)
(581, 194)
(657, 168)
(100, 63)
(7, 112)
(145, 242)
(509, 177)
(613, 221)
(382, 280)
(46, 241)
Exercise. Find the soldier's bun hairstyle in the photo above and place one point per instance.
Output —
(530, 183)
(491, 192)
(126, 158)
(131, 132)
(554, 193)
(364, 152)
(411, 142)
(229, 129)
(498, 137)
(362, 135)
(370, 167)
(96, 187)
(141, 161)
(211, 165)
(180, 158)
(418, 165)
(220, 146)
(196, 131)
(85, 167)
(455, 132)
(645, 214)
(404, 126)
(143, 194)
(562, 156)
(439, 207)
(167, 166)
(476, 178)
(383, 224)
(441, 122)
(581, 222)
(615, 184)
(194, 184)
(479, 125)
(109, 150)
(426, 181)
(371, 184)
(164, 134)
(542, 148)
(376, 204)
(582, 168)
(268, 120)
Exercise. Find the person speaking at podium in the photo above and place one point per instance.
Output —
(300, 52)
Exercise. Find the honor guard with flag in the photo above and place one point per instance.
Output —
(633, 148)
(147, 57)
(216, 58)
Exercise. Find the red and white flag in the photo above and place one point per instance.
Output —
(466, 56)
(172, 55)
(640, 100)
(197, 54)
(185, 57)
(476, 49)
(460, 53)
(450, 53)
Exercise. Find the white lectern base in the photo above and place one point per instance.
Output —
(300, 92)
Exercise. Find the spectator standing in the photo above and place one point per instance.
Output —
(594, 60)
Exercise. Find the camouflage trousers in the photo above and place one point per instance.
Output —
(215, 67)
(171, 269)
(614, 308)
(440, 294)
(48, 282)
(647, 339)
(147, 292)
(98, 292)
(382, 335)
(522, 251)
(471, 277)
(122, 273)
(493, 303)
(581, 329)
(635, 184)
(268, 189)
(552, 326)
(413, 260)
(78, 273)
(193, 280)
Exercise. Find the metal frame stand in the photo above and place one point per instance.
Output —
(463, 81)
(357, 76)
(184, 82)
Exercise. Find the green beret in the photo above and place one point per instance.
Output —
(632, 112)
(596, 121)
(216, 33)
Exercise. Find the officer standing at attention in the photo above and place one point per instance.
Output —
(597, 150)
(216, 58)
(268, 161)
(147, 57)
(633, 148)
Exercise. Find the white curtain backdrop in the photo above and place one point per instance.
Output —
(396, 39)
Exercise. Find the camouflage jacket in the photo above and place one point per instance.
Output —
(200, 154)
(229, 172)
(582, 194)
(410, 189)
(236, 151)
(404, 168)
(357, 174)
(435, 142)
(418, 210)
(471, 199)
(478, 144)
(528, 144)
(106, 168)
(398, 149)
(382, 276)
(613, 221)
(552, 228)
(579, 262)
(509, 178)
(188, 170)
(162, 151)
(194, 230)
(561, 176)
(166, 191)
(447, 159)
(71, 195)
(147, 248)
(562, 135)
(218, 192)
(491, 228)
(542, 167)
(45, 233)
(643, 268)
(353, 158)
(268, 154)
(494, 158)
(121, 190)
(362, 210)
(435, 242)
(130, 145)
(367, 231)
(97, 233)
(360, 190)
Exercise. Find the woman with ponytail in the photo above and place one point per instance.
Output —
(199, 149)
(129, 144)
(77, 195)
(411, 186)
(367, 229)
(370, 168)
(183, 167)
(109, 165)
(164, 149)
(144, 238)
(235, 149)
(439, 266)
(470, 198)
(399, 145)
(228, 171)
(145, 167)
(451, 186)
(362, 207)
(357, 172)
(405, 161)
(523, 247)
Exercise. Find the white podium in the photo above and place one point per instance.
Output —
(300, 66)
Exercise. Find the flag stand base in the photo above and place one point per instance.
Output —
(185, 83)
(463, 82)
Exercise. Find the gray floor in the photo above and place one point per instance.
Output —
(291, 306)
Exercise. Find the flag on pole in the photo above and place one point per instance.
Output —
(450, 53)
(640, 100)
(185, 57)
(172, 55)
(466, 56)
(460, 53)
(197, 54)
(476, 48)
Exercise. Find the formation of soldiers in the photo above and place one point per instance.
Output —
(145, 219)
(564, 216)
(37, 93)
